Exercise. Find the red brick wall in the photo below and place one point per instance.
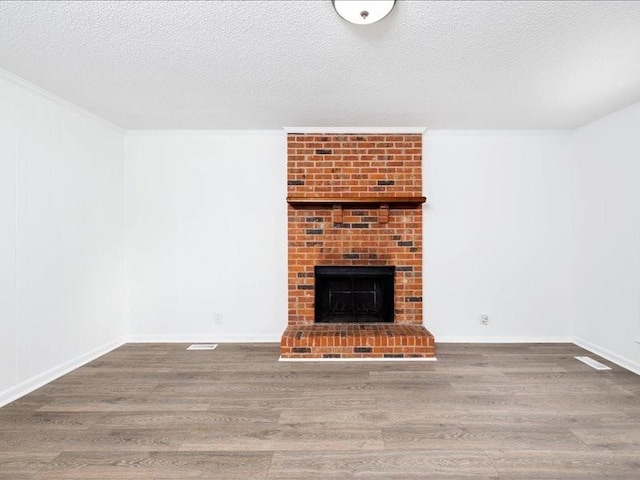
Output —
(354, 166)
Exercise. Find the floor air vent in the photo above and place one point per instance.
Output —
(593, 363)
(202, 346)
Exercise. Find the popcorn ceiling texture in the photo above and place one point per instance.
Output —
(269, 64)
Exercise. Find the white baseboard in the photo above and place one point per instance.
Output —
(153, 338)
(489, 339)
(28, 386)
(609, 355)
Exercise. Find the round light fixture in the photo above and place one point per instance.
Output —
(363, 12)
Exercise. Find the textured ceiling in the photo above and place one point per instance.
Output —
(269, 64)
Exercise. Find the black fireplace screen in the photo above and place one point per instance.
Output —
(354, 294)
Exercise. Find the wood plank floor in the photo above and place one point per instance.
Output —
(482, 412)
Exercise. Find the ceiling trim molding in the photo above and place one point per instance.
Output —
(32, 87)
(502, 133)
(361, 130)
(200, 131)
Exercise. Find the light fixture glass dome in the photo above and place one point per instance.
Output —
(363, 12)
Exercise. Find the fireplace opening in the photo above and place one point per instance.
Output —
(354, 294)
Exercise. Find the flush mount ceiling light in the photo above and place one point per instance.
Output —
(363, 12)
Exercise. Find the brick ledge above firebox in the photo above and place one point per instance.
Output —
(357, 341)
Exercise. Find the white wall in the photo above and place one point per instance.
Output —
(61, 231)
(8, 320)
(207, 242)
(606, 212)
(497, 235)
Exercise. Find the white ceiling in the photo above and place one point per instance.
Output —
(269, 64)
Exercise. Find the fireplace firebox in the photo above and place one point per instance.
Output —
(354, 294)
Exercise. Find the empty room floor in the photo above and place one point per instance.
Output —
(158, 411)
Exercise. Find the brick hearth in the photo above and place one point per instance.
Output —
(356, 341)
(335, 219)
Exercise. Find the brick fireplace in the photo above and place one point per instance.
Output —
(355, 203)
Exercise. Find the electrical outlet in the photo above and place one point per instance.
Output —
(484, 319)
(217, 319)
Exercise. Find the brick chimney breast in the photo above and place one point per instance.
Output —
(352, 167)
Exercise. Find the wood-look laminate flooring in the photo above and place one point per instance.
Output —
(482, 412)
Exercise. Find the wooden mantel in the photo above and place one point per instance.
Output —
(345, 201)
(337, 203)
